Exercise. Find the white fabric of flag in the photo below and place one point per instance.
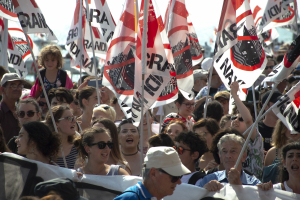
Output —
(32, 19)
(290, 62)
(7, 10)
(288, 107)
(178, 34)
(239, 55)
(269, 36)
(159, 61)
(119, 70)
(20, 174)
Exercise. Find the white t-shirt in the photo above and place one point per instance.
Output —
(186, 178)
(278, 186)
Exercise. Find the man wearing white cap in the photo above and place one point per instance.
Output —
(11, 88)
(162, 172)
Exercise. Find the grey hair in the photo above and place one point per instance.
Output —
(146, 173)
(230, 137)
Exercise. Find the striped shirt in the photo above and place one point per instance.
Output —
(70, 159)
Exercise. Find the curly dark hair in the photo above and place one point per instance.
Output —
(174, 121)
(215, 110)
(47, 142)
(194, 141)
(87, 139)
(161, 140)
(214, 145)
(180, 98)
(209, 123)
(126, 121)
(60, 94)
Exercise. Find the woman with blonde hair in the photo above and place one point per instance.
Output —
(104, 111)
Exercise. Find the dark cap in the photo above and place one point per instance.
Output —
(275, 97)
(65, 187)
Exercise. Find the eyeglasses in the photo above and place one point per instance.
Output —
(29, 113)
(269, 67)
(180, 150)
(235, 117)
(42, 104)
(14, 86)
(70, 118)
(174, 179)
(188, 105)
(102, 145)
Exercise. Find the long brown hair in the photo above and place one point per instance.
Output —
(279, 138)
(3, 146)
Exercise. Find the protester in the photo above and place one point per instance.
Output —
(174, 127)
(104, 111)
(94, 146)
(160, 140)
(207, 128)
(223, 97)
(242, 121)
(115, 156)
(266, 126)
(37, 142)
(105, 95)
(230, 146)
(147, 133)
(129, 138)
(185, 111)
(162, 172)
(11, 88)
(65, 123)
(215, 110)
(190, 147)
(53, 76)
(87, 97)
(270, 65)
(225, 121)
(60, 96)
(200, 80)
(119, 113)
(289, 172)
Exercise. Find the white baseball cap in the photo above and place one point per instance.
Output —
(11, 77)
(207, 63)
(165, 158)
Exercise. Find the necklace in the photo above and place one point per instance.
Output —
(130, 154)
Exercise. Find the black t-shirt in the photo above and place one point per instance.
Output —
(266, 133)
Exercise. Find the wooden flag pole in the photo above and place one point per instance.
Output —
(254, 125)
(94, 57)
(144, 66)
(46, 95)
(80, 38)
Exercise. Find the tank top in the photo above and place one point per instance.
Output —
(70, 159)
(113, 170)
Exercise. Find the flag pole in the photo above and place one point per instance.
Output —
(5, 44)
(45, 94)
(254, 125)
(160, 120)
(254, 101)
(208, 88)
(80, 38)
(92, 41)
(148, 125)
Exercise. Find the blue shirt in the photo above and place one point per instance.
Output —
(221, 177)
(203, 91)
(140, 190)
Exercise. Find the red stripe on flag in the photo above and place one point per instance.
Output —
(242, 16)
(247, 37)
(245, 90)
(89, 1)
(190, 24)
(168, 96)
(194, 39)
(160, 24)
(167, 46)
(181, 51)
(26, 54)
(121, 39)
(297, 102)
(287, 19)
(34, 3)
(8, 12)
(127, 62)
(255, 11)
(16, 3)
(178, 28)
(128, 20)
(10, 43)
(179, 9)
(20, 42)
(96, 32)
(297, 95)
(247, 68)
(103, 2)
(286, 63)
(198, 57)
(185, 74)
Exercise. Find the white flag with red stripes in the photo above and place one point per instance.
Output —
(7, 10)
(31, 18)
(178, 34)
(239, 55)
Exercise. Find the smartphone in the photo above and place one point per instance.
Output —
(93, 83)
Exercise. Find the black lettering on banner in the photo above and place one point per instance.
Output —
(218, 59)
(157, 80)
(274, 10)
(283, 103)
(137, 104)
(72, 33)
(74, 49)
(158, 62)
(35, 21)
(228, 73)
(98, 45)
(166, 66)
(15, 59)
(226, 36)
(104, 19)
(24, 19)
(109, 36)
(234, 31)
(43, 21)
(97, 16)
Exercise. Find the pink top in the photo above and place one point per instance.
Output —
(36, 87)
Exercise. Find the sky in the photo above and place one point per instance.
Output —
(205, 15)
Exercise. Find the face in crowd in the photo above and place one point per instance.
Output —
(129, 136)
(27, 112)
(67, 123)
(174, 129)
(186, 108)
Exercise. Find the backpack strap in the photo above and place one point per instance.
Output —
(42, 72)
(63, 78)
(196, 176)
(132, 192)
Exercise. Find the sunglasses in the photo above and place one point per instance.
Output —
(180, 150)
(235, 117)
(270, 67)
(102, 145)
(41, 103)
(174, 179)
(70, 118)
(29, 113)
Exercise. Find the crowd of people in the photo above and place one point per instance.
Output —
(97, 139)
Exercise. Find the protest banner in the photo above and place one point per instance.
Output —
(7, 10)
(19, 176)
